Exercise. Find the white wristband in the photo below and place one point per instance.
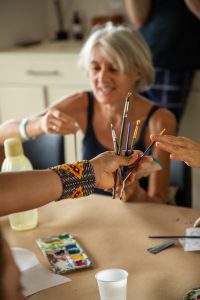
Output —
(22, 130)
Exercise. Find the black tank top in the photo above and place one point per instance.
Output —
(91, 146)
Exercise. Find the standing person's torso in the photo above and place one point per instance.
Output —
(173, 34)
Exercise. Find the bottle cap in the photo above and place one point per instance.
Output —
(13, 147)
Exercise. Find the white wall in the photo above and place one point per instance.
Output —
(24, 20)
(87, 9)
(21, 20)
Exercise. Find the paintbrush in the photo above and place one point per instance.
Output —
(135, 134)
(124, 118)
(116, 147)
(135, 165)
(114, 138)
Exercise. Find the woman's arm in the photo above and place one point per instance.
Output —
(55, 119)
(30, 189)
(9, 129)
(158, 182)
(138, 11)
(66, 116)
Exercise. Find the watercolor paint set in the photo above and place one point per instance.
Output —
(64, 253)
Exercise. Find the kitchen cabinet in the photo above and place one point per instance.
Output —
(33, 78)
(9, 95)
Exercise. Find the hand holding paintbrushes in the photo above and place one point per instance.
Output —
(132, 168)
(118, 148)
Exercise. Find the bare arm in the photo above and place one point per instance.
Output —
(159, 181)
(30, 189)
(55, 119)
(181, 148)
(9, 129)
(138, 11)
(194, 7)
(63, 117)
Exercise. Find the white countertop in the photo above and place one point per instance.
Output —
(49, 48)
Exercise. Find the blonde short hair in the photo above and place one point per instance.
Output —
(123, 45)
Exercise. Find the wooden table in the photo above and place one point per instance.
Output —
(115, 234)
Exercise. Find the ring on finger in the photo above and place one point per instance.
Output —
(55, 128)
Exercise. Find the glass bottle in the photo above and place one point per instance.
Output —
(15, 160)
(77, 26)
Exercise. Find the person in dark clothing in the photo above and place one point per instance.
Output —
(171, 29)
(117, 61)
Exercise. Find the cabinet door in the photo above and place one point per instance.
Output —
(72, 141)
(19, 102)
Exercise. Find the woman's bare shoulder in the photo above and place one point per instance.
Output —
(163, 118)
(77, 101)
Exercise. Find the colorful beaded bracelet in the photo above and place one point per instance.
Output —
(78, 179)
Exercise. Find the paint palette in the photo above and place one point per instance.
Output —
(64, 253)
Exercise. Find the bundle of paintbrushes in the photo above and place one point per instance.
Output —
(122, 174)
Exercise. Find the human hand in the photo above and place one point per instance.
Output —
(107, 163)
(131, 191)
(55, 121)
(180, 148)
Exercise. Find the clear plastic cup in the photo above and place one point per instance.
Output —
(112, 284)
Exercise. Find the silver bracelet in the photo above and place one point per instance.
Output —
(22, 130)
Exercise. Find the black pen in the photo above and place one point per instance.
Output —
(174, 237)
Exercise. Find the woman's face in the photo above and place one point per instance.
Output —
(109, 84)
(11, 277)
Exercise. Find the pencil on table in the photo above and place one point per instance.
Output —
(174, 237)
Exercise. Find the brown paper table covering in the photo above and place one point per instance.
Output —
(115, 234)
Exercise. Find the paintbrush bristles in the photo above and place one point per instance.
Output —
(135, 134)
(128, 95)
(161, 133)
(136, 129)
(114, 138)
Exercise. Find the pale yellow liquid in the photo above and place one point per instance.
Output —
(24, 220)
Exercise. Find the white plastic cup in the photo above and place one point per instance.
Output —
(112, 284)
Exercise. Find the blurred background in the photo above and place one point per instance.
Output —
(22, 21)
